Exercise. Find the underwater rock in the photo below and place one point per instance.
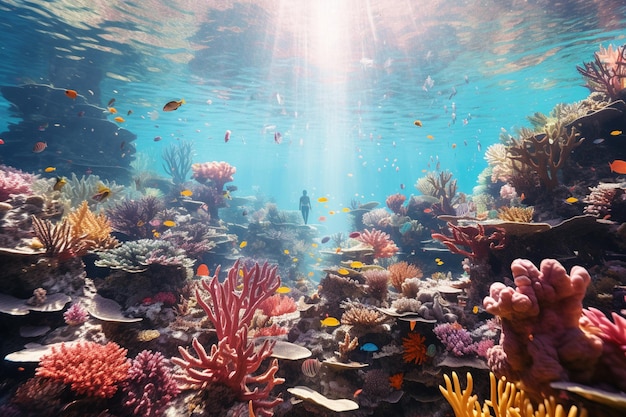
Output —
(18, 307)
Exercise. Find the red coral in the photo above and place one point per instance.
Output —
(380, 241)
(234, 360)
(92, 369)
(277, 305)
(474, 238)
(219, 173)
(395, 202)
(414, 348)
(273, 330)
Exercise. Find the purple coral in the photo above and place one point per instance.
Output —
(75, 315)
(133, 217)
(455, 338)
(14, 181)
(150, 386)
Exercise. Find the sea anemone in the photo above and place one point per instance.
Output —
(414, 348)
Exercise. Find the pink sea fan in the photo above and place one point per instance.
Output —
(277, 305)
(380, 241)
(75, 315)
(13, 181)
(150, 386)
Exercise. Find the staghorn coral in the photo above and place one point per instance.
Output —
(346, 346)
(400, 271)
(442, 187)
(136, 256)
(475, 238)
(505, 400)
(90, 368)
(96, 229)
(234, 360)
(545, 153)
(219, 173)
(150, 386)
(380, 241)
(59, 240)
(607, 72)
(542, 340)
(177, 160)
(516, 214)
(14, 181)
(414, 349)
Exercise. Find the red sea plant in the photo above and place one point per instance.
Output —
(234, 361)
(475, 239)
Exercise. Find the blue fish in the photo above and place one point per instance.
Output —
(369, 347)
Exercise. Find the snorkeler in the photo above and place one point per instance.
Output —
(305, 206)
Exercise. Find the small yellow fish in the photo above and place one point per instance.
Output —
(330, 322)
(475, 310)
(311, 273)
(345, 210)
(60, 182)
(294, 260)
(343, 271)
(331, 212)
(616, 133)
(322, 200)
(571, 200)
(156, 234)
(119, 119)
(50, 169)
(431, 137)
(227, 195)
(102, 194)
(286, 251)
(243, 244)
(314, 245)
(169, 223)
(186, 193)
(241, 275)
(356, 264)
(283, 290)
(112, 110)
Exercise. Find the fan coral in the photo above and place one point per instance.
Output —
(381, 242)
(92, 369)
(395, 202)
(59, 240)
(414, 348)
(455, 338)
(96, 229)
(177, 159)
(219, 173)
(377, 281)
(277, 305)
(136, 256)
(150, 386)
(474, 238)
(13, 181)
(75, 315)
(516, 214)
(133, 217)
(400, 271)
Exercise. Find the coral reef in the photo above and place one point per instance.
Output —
(59, 240)
(95, 229)
(133, 217)
(177, 161)
(414, 349)
(380, 241)
(400, 271)
(219, 173)
(607, 73)
(14, 181)
(137, 255)
(395, 203)
(516, 214)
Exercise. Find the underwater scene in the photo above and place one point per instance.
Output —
(254, 208)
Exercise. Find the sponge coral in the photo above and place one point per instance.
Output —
(92, 369)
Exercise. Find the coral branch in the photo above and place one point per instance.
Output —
(474, 238)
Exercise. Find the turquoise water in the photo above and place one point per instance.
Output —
(342, 82)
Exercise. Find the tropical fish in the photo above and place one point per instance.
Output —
(157, 138)
(332, 212)
(294, 260)
(330, 322)
(356, 264)
(338, 250)
(418, 123)
(475, 310)
(405, 228)
(311, 367)
(431, 350)
(50, 169)
(571, 200)
(173, 105)
(325, 239)
(111, 102)
(141, 223)
(60, 182)
(227, 136)
(314, 245)
(616, 132)
(39, 147)
(412, 324)
(278, 137)
(202, 271)
(186, 193)
(71, 94)
(322, 200)
(402, 186)
(283, 290)
(454, 146)
(618, 166)
(369, 347)
(598, 141)
(119, 119)
(112, 110)
(1, 142)
(286, 251)
(227, 195)
(438, 261)
(354, 235)
(343, 271)
(169, 223)
(431, 137)
(322, 219)
(102, 194)
(243, 244)
(345, 210)
(428, 210)
(129, 112)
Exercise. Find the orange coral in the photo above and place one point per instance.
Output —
(91, 369)
(414, 348)
(395, 381)
(400, 271)
(380, 241)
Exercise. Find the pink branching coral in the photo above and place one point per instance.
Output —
(277, 305)
(234, 360)
(380, 241)
(607, 73)
(455, 338)
(75, 315)
(219, 173)
(13, 181)
(92, 369)
(542, 340)
(395, 203)
(474, 238)
(150, 386)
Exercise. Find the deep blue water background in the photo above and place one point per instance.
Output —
(342, 81)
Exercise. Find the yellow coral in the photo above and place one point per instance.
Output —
(505, 400)
(516, 214)
(92, 227)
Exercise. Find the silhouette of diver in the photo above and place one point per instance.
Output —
(305, 206)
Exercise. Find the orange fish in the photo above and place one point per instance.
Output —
(112, 110)
(71, 94)
(39, 147)
(173, 105)
(618, 166)
(202, 271)
(119, 119)
(357, 392)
